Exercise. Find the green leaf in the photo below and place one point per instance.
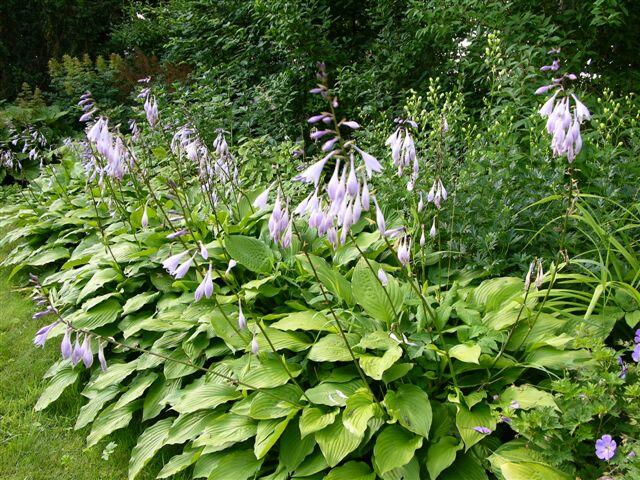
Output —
(136, 302)
(97, 400)
(139, 384)
(379, 302)
(103, 314)
(188, 426)
(375, 366)
(441, 455)
(268, 433)
(531, 471)
(65, 377)
(250, 252)
(314, 419)
(351, 471)
(333, 393)
(48, 255)
(394, 448)
(202, 394)
(336, 442)
(296, 448)
(332, 348)
(467, 420)
(236, 465)
(409, 405)
(275, 403)
(410, 471)
(109, 420)
(332, 280)
(305, 320)
(466, 352)
(527, 397)
(464, 467)
(226, 429)
(180, 462)
(359, 410)
(98, 279)
(151, 440)
(115, 374)
(154, 400)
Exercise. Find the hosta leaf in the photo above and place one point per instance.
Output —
(409, 471)
(268, 372)
(139, 384)
(109, 420)
(394, 448)
(306, 320)
(294, 449)
(332, 280)
(378, 301)
(268, 433)
(375, 366)
(351, 471)
(236, 465)
(275, 403)
(336, 442)
(180, 462)
(409, 405)
(250, 252)
(151, 440)
(136, 302)
(468, 420)
(441, 455)
(155, 399)
(104, 313)
(466, 352)
(313, 464)
(359, 410)
(464, 467)
(202, 394)
(115, 374)
(527, 397)
(100, 278)
(314, 419)
(65, 376)
(531, 471)
(332, 348)
(188, 426)
(494, 292)
(98, 399)
(226, 428)
(48, 255)
(333, 393)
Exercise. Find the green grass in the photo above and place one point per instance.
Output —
(43, 445)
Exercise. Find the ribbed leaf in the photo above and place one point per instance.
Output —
(151, 440)
(66, 376)
(336, 442)
(394, 448)
(410, 406)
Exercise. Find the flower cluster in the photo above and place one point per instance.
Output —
(563, 121)
(332, 208)
(111, 148)
(403, 149)
(88, 106)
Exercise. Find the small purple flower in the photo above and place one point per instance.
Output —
(351, 124)
(606, 447)
(43, 333)
(371, 164)
(312, 173)
(242, 321)
(383, 277)
(177, 234)
(205, 289)
(254, 345)
(637, 337)
(482, 430)
(636, 353)
(144, 221)
(183, 269)
(171, 263)
(66, 347)
(623, 368)
(261, 200)
(101, 359)
(87, 354)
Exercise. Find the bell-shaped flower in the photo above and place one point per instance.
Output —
(380, 219)
(42, 334)
(182, 270)
(65, 347)
(319, 134)
(151, 110)
(371, 164)
(365, 196)
(242, 321)
(260, 203)
(205, 289)
(76, 354)
(312, 173)
(171, 263)
(101, 358)
(433, 232)
(352, 181)
(423, 239)
(544, 89)
(404, 251)
(232, 263)
(382, 276)
(254, 345)
(351, 124)
(547, 108)
(144, 221)
(87, 354)
(581, 110)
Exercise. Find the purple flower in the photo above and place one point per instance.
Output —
(623, 368)
(351, 124)
(177, 234)
(171, 263)
(315, 118)
(380, 218)
(43, 333)
(319, 134)
(205, 289)
(371, 164)
(254, 345)
(606, 447)
(183, 269)
(483, 430)
(312, 173)
(87, 354)
(544, 89)
(404, 251)
(382, 276)
(261, 200)
(101, 359)
(76, 355)
(66, 347)
(242, 321)
(232, 263)
(637, 338)
(581, 110)
(151, 110)
(144, 221)
(636, 353)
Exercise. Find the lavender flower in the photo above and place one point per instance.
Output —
(87, 354)
(43, 334)
(483, 430)
(404, 251)
(65, 347)
(76, 355)
(636, 353)
(370, 162)
(637, 337)
(380, 219)
(242, 321)
(144, 221)
(382, 276)
(183, 269)
(101, 359)
(254, 345)
(260, 202)
(151, 110)
(606, 447)
(423, 239)
(177, 234)
(624, 370)
(171, 263)
(432, 231)
(312, 174)
(205, 289)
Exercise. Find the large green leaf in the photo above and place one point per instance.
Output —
(268, 433)
(202, 394)
(332, 348)
(109, 420)
(527, 397)
(188, 426)
(104, 313)
(336, 442)
(441, 455)
(294, 448)
(138, 386)
(314, 419)
(180, 462)
(465, 467)
(378, 301)
(351, 471)
(151, 440)
(236, 465)
(409, 405)
(63, 378)
(531, 471)
(226, 429)
(306, 320)
(466, 352)
(100, 278)
(331, 279)
(136, 302)
(468, 420)
(250, 252)
(359, 410)
(97, 400)
(394, 448)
